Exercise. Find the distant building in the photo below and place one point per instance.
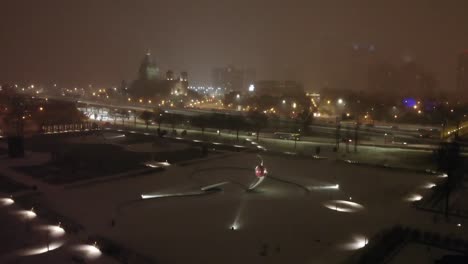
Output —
(462, 75)
(361, 56)
(150, 84)
(148, 69)
(278, 88)
(382, 79)
(170, 75)
(406, 80)
(232, 79)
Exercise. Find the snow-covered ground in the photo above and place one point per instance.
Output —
(307, 211)
(26, 238)
(280, 220)
(144, 145)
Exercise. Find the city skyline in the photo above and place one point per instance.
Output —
(315, 42)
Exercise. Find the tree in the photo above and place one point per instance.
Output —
(200, 121)
(147, 117)
(123, 114)
(237, 123)
(218, 121)
(159, 117)
(258, 121)
(305, 119)
(114, 113)
(450, 161)
(337, 134)
(356, 135)
(174, 119)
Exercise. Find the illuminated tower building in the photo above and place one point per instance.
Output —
(148, 69)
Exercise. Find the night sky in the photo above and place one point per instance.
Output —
(102, 41)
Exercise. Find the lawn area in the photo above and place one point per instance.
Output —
(9, 186)
(393, 157)
(72, 161)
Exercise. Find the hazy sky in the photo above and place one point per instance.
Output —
(103, 41)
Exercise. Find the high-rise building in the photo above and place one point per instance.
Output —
(462, 75)
(148, 69)
(361, 56)
(233, 79)
(278, 88)
(406, 80)
(150, 84)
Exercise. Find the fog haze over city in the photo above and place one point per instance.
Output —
(234, 131)
(316, 42)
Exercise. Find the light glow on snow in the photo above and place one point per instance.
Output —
(40, 249)
(428, 185)
(357, 242)
(326, 187)
(150, 196)
(6, 201)
(118, 136)
(89, 251)
(343, 206)
(54, 231)
(26, 214)
(163, 163)
(413, 197)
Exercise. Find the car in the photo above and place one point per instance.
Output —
(288, 136)
(425, 135)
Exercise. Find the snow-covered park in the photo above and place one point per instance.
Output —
(305, 211)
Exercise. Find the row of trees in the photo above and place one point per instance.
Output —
(254, 120)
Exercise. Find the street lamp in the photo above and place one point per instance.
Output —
(340, 101)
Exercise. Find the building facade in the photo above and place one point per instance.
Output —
(278, 88)
(150, 84)
(233, 79)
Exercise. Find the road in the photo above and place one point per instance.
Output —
(385, 134)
